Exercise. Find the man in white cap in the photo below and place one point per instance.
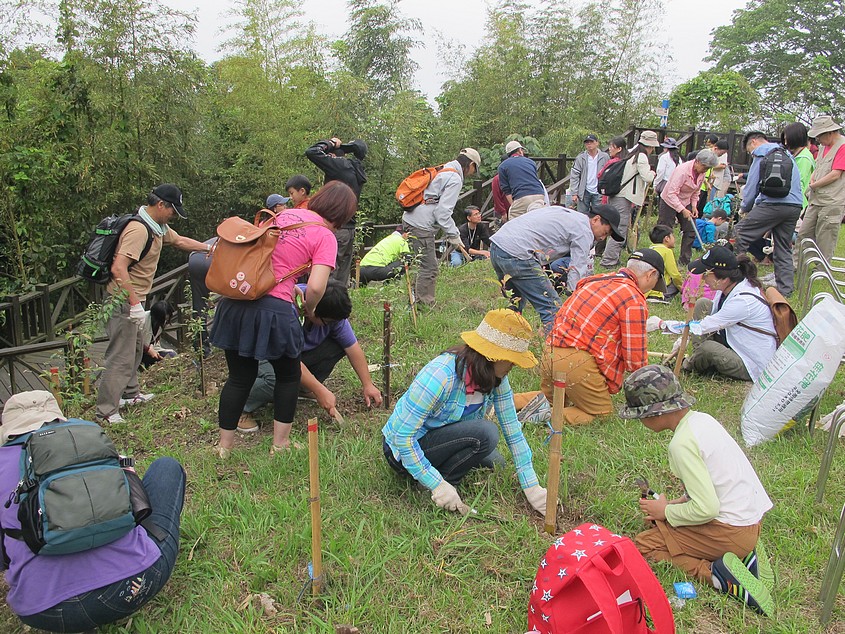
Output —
(520, 183)
(826, 194)
(435, 213)
(133, 270)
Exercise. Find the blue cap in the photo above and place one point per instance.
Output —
(276, 199)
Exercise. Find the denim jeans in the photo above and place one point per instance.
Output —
(588, 201)
(456, 258)
(165, 485)
(456, 448)
(527, 282)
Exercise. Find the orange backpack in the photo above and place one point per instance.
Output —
(410, 192)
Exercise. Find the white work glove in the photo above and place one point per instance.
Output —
(137, 314)
(536, 497)
(653, 323)
(446, 497)
(455, 241)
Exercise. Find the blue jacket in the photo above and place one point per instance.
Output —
(750, 193)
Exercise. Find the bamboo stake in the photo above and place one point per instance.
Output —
(357, 272)
(554, 452)
(86, 376)
(55, 386)
(314, 501)
(385, 367)
(684, 339)
(411, 295)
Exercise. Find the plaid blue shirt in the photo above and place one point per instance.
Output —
(437, 397)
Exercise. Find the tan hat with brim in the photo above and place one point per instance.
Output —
(503, 335)
(821, 124)
(28, 411)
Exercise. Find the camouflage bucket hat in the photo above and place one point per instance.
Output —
(651, 391)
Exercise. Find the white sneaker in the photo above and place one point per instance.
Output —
(138, 399)
(113, 419)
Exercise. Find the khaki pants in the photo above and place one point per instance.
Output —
(694, 548)
(525, 204)
(120, 366)
(821, 223)
(587, 395)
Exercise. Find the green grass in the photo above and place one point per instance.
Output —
(396, 563)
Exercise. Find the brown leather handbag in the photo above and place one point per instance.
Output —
(241, 260)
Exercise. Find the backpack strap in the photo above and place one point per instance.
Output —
(150, 238)
(760, 330)
(440, 170)
(649, 587)
(302, 267)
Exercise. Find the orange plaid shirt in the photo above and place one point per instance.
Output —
(606, 317)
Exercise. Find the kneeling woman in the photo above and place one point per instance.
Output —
(736, 332)
(438, 432)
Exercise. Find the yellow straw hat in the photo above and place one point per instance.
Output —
(503, 335)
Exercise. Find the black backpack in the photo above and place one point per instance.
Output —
(610, 182)
(95, 263)
(776, 173)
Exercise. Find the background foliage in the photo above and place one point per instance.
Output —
(117, 101)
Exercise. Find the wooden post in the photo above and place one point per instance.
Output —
(477, 195)
(55, 386)
(554, 452)
(385, 367)
(357, 272)
(46, 313)
(314, 500)
(15, 318)
(86, 376)
(411, 301)
(561, 166)
(684, 339)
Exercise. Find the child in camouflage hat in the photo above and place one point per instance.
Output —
(716, 522)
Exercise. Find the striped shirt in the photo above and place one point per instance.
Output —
(606, 317)
(438, 397)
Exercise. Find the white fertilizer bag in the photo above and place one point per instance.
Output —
(803, 366)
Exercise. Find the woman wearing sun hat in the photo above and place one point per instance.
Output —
(635, 179)
(438, 431)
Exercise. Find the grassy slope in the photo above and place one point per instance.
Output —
(396, 563)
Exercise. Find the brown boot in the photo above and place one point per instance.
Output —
(247, 424)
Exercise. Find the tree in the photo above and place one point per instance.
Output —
(789, 51)
(715, 100)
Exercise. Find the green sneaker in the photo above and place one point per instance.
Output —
(758, 564)
(732, 577)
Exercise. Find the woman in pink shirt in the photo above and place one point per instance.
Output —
(268, 328)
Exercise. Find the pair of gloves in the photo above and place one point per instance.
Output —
(446, 497)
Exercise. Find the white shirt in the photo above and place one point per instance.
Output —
(665, 167)
(754, 348)
(592, 171)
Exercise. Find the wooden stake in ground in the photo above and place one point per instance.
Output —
(554, 452)
(634, 230)
(55, 386)
(357, 272)
(411, 295)
(385, 364)
(314, 503)
(86, 376)
(684, 339)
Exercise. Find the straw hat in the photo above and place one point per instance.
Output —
(28, 411)
(503, 335)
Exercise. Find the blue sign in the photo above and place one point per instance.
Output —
(664, 118)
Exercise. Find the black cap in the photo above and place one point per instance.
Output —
(169, 193)
(609, 214)
(716, 259)
(654, 259)
(590, 137)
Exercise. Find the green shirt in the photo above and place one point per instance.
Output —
(386, 251)
(806, 164)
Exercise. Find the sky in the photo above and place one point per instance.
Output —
(687, 25)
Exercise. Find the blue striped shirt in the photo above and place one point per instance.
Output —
(437, 397)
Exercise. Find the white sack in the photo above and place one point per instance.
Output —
(803, 366)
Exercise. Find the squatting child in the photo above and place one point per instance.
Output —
(712, 530)
(663, 241)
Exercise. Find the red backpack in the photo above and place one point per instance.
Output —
(594, 582)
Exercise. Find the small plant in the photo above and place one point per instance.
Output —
(196, 333)
(74, 375)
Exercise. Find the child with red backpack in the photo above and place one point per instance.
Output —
(711, 531)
